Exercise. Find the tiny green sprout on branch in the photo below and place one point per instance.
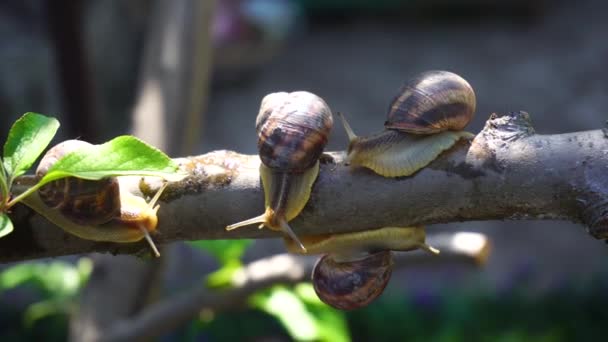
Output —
(121, 156)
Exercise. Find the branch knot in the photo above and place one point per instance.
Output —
(510, 127)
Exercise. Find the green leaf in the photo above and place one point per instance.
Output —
(223, 278)
(58, 282)
(26, 140)
(44, 309)
(58, 278)
(4, 193)
(121, 156)
(6, 226)
(331, 323)
(290, 311)
(225, 251)
(302, 314)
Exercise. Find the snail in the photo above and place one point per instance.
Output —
(93, 209)
(425, 118)
(293, 128)
(357, 266)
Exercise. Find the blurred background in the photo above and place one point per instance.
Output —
(188, 77)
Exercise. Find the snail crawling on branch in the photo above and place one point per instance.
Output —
(293, 128)
(425, 118)
(357, 266)
(93, 209)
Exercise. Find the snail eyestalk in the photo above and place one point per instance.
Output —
(287, 229)
(149, 239)
(285, 195)
(349, 130)
(154, 199)
(429, 249)
(264, 219)
(154, 208)
(258, 219)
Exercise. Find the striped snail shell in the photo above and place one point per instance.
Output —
(432, 102)
(352, 284)
(293, 129)
(82, 201)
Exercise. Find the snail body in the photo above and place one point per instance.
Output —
(95, 210)
(293, 128)
(425, 118)
(357, 266)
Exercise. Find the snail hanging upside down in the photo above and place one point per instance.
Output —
(95, 210)
(357, 266)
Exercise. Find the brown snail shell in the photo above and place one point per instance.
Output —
(82, 201)
(432, 102)
(352, 284)
(293, 128)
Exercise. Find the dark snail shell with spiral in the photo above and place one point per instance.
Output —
(432, 102)
(293, 128)
(352, 284)
(82, 201)
(356, 267)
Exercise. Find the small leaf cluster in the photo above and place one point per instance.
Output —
(31, 134)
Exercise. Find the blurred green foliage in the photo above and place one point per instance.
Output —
(224, 251)
(569, 313)
(38, 297)
(302, 313)
(228, 254)
(572, 311)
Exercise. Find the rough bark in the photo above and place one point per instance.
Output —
(506, 172)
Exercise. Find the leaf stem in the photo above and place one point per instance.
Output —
(23, 195)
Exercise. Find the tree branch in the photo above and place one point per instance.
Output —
(506, 172)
